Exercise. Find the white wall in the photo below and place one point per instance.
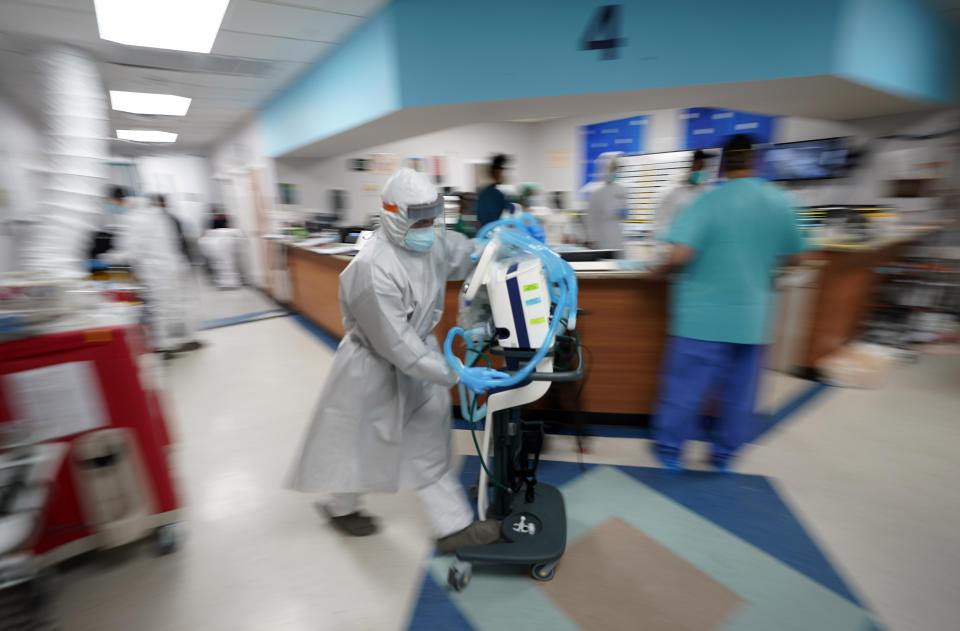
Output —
(20, 175)
(460, 146)
(230, 165)
(869, 183)
(185, 183)
(549, 153)
(535, 148)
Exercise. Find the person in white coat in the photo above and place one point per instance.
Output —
(607, 207)
(148, 242)
(681, 196)
(383, 421)
(222, 246)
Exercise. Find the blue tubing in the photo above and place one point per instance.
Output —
(479, 414)
(563, 292)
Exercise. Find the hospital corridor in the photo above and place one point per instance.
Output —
(412, 315)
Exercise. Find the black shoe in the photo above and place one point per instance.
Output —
(356, 524)
(192, 345)
(479, 533)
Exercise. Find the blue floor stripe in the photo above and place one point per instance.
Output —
(327, 338)
(240, 319)
(764, 422)
(792, 407)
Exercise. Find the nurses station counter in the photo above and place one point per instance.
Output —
(624, 320)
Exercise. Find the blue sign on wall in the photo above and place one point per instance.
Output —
(625, 135)
(707, 127)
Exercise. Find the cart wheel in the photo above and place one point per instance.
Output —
(543, 571)
(458, 577)
(165, 538)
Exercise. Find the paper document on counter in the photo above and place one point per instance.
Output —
(57, 401)
(595, 266)
(335, 248)
(309, 243)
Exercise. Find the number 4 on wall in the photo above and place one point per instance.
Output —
(603, 33)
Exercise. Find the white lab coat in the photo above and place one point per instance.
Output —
(603, 217)
(222, 248)
(670, 206)
(383, 420)
(147, 241)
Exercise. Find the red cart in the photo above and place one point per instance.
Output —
(127, 404)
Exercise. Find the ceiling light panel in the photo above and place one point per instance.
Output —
(146, 103)
(146, 135)
(188, 25)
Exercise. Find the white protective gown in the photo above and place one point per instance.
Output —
(222, 248)
(602, 219)
(147, 241)
(670, 206)
(383, 420)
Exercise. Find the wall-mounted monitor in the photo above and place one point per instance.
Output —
(808, 160)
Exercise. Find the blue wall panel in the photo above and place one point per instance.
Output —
(434, 52)
(625, 134)
(899, 46)
(455, 52)
(357, 83)
(706, 127)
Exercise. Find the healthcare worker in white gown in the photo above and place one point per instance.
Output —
(147, 241)
(607, 207)
(384, 417)
(222, 246)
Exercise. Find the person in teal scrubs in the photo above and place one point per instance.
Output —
(726, 247)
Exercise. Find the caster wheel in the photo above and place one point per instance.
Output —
(543, 572)
(458, 577)
(165, 539)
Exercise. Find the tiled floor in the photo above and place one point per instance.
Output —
(871, 474)
(216, 304)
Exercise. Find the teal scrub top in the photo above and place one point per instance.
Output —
(740, 230)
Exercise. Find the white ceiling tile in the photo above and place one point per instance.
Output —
(73, 5)
(352, 7)
(115, 75)
(281, 20)
(48, 22)
(267, 47)
(288, 35)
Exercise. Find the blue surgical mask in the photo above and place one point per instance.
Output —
(419, 239)
(116, 209)
(698, 177)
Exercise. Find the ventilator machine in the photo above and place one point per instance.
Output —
(520, 305)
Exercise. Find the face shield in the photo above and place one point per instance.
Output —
(425, 223)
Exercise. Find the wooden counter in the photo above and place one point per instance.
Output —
(315, 284)
(623, 329)
(847, 285)
(625, 324)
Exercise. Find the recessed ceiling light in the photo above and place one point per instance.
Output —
(189, 25)
(145, 103)
(146, 135)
